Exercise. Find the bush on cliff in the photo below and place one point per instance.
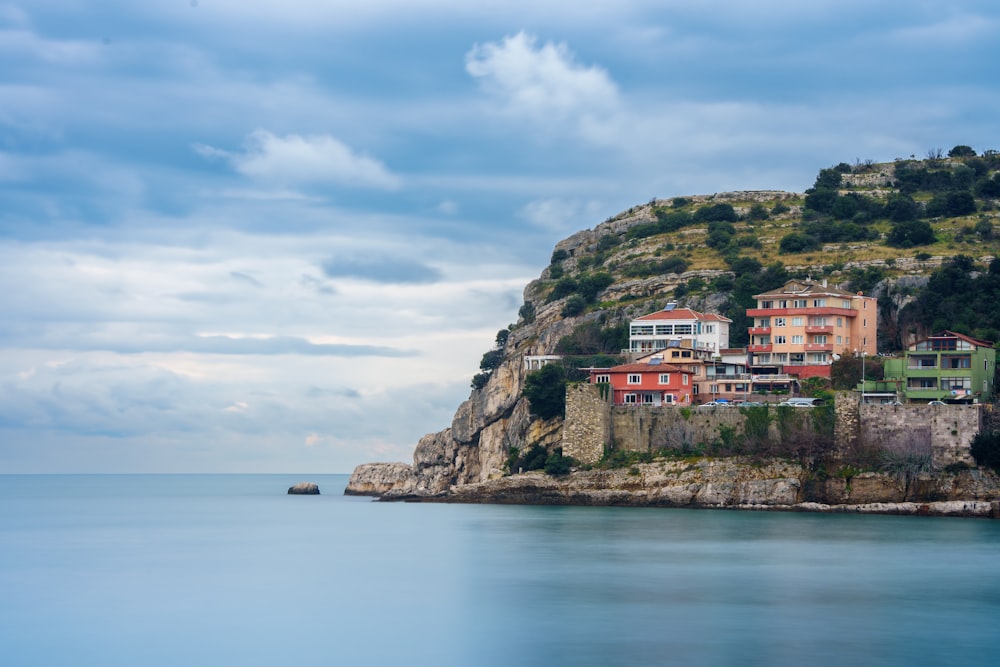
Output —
(986, 449)
(545, 390)
(557, 464)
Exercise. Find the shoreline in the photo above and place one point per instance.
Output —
(732, 484)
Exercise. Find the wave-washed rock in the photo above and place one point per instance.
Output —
(304, 489)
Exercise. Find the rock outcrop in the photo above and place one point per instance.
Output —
(304, 489)
(735, 484)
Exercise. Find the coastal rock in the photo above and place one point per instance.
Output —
(376, 479)
(304, 489)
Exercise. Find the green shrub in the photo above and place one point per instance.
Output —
(545, 390)
(986, 449)
(557, 464)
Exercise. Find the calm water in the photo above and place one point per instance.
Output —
(228, 570)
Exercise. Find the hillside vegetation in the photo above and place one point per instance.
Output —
(881, 228)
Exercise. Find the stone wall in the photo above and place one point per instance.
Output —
(944, 432)
(586, 429)
(647, 428)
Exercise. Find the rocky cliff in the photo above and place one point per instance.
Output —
(468, 458)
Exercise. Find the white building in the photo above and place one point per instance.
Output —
(666, 328)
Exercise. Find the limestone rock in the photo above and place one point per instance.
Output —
(304, 489)
(376, 479)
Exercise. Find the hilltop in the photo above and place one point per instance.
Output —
(880, 228)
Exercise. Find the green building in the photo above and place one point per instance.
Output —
(948, 367)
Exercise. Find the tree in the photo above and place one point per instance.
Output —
(901, 208)
(910, 233)
(758, 212)
(574, 306)
(545, 390)
(962, 151)
(798, 242)
(716, 212)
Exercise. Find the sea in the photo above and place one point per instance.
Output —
(229, 570)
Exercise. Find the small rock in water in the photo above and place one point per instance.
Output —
(303, 489)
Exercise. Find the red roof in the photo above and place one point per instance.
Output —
(968, 339)
(651, 368)
(683, 314)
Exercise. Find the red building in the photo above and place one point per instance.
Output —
(651, 382)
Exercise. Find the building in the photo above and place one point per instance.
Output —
(648, 382)
(672, 325)
(725, 377)
(947, 366)
(799, 329)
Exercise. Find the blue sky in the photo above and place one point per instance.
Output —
(278, 236)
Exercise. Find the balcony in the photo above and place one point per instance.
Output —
(759, 348)
(819, 347)
(819, 330)
(760, 331)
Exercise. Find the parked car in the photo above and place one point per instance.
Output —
(802, 402)
(936, 403)
(716, 404)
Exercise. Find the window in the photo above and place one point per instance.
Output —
(709, 328)
(629, 398)
(779, 321)
(840, 321)
(668, 398)
(602, 379)
(782, 304)
(642, 330)
(634, 378)
(818, 358)
(864, 322)
(959, 362)
(799, 303)
(839, 340)
(821, 340)
(797, 340)
(780, 357)
(845, 304)
(686, 354)
(818, 321)
(764, 322)
(675, 354)
(797, 321)
(664, 378)
(779, 340)
(647, 399)
(685, 378)
(766, 304)
(714, 389)
(664, 329)
(949, 384)
(819, 303)
(797, 358)
(682, 329)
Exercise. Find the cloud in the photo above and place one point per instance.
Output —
(381, 269)
(303, 160)
(540, 82)
(560, 215)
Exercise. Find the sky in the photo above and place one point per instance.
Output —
(279, 236)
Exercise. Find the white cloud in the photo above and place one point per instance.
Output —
(560, 215)
(302, 160)
(540, 81)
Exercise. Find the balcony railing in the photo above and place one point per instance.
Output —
(760, 348)
(819, 329)
(819, 347)
(760, 331)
